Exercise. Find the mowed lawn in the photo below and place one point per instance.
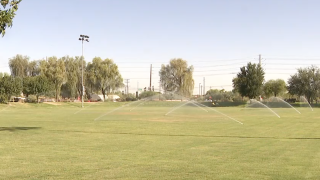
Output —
(63, 141)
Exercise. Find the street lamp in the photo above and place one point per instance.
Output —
(82, 38)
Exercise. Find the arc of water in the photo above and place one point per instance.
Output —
(115, 110)
(83, 109)
(198, 106)
(177, 108)
(137, 106)
(266, 107)
(288, 104)
(144, 101)
(221, 113)
(307, 102)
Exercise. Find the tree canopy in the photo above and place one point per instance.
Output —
(274, 87)
(54, 69)
(177, 77)
(7, 13)
(9, 86)
(103, 75)
(249, 80)
(305, 82)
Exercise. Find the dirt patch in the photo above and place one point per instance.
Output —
(52, 103)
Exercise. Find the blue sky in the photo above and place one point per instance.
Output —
(215, 36)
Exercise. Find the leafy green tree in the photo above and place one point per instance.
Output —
(36, 85)
(72, 68)
(146, 94)
(177, 77)
(103, 75)
(41, 85)
(7, 14)
(34, 68)
(274, 87)
(91, 79)
(54, 69)
(10, 86)
(249, 80)
(19, 66)
(305, 82)
(27, 85)
(78, 61)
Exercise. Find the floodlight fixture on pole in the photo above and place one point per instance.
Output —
(82, 38)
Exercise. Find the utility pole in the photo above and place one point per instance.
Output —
(260, 59)
(199, 89)
(150, 75)
(159, 89)
(82, 38)
(204, 85)
(127, 87)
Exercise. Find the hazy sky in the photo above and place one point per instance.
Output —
(215, 36)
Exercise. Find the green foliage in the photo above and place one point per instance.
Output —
(274, 87)
(177, 77)
(103, 75)
(19, 66)
(73, 72)
(54, 69)
(9, 86)
(305, 82)
(249, 80)
(145, 94)
(36, 85)
(223, 96)
(7, 14)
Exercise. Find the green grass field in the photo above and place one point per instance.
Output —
(50, 141)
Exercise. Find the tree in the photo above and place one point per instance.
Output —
(54, 69)
(34, 68)
(78, 61)
(72, 69)
(104, 75)
(10, 86)
(177, 77)
(41, 85)
(27, 85)
(274, 87)
(19, 66)
(36, 85)
(249, 80)
(7, 14)
(305, 82)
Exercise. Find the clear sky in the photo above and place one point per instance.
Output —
(215, 36)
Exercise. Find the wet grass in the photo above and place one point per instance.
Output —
(63, 141)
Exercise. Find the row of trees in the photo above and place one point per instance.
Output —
(62, 75)
(249, 82)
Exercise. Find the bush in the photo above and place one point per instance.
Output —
(31, 99)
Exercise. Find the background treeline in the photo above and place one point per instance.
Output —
(250, 83)
(59, 77)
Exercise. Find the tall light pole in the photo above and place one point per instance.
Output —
(82, 38)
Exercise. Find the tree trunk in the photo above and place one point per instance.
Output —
(104, 94)
(56, 94)
(37, 98)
